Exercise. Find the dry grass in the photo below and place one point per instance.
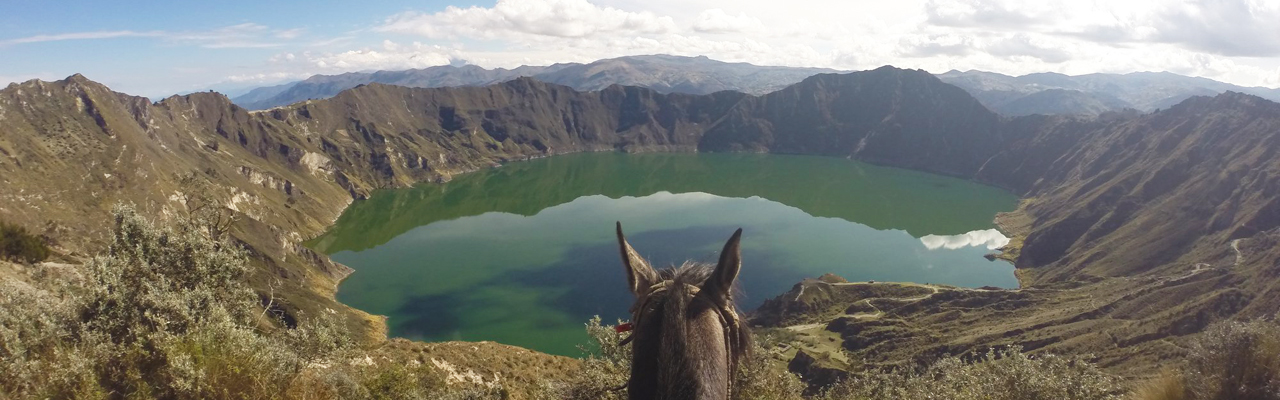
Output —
(1167, 386)
(1230, 361)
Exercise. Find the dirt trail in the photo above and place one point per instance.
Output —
(817, 340)
(1235, 245)
(935, 290)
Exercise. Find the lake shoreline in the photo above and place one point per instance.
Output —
(927, 181)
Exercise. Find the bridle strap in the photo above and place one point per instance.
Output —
(728, 320)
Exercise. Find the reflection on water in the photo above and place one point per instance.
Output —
(990, 238)
(526, 255)
(879, 197)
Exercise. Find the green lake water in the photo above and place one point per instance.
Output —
(524, 254)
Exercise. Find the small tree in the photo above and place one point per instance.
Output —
(19, 245)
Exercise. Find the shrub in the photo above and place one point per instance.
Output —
(167, 313)
(18, 245)
(36, 358)
(1009, 374)
(761, 379)
(606, 367)
(1230, 360)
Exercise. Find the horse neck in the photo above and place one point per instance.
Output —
(692, 353)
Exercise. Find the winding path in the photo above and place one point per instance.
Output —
(1235, 245)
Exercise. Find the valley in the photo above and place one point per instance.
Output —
(1119, 214)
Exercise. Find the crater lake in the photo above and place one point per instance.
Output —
(525, 254)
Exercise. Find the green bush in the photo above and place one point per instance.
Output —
(759, 378)
(167, 313)
(18, 245)
(1230, 360)
(1000, 375)
(605, 368)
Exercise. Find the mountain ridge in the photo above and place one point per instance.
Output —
(1095, 93)
(663, 73)
(1037, 93)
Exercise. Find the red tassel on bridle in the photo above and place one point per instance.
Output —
(622, 328)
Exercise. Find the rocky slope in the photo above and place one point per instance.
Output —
(1137, 230)
(72, 149)
(662, 73)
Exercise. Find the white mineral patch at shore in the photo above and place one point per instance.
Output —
(990, 238)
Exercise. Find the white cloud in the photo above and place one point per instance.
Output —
(240, 36)
(392, 57)
(987, 13)
(1006, 36)
(1231, 40)
(246, 35)
(289, 33)
(80, 36)
(340, 40)
(512, 19)
(282, 57)
(1225, 27)
(717, 21)
(1023, 45)
(267, 77)
(925, 46)
(990, 238)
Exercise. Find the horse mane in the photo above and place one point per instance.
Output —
(674, 285)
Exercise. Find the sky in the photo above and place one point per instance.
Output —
(158, 48)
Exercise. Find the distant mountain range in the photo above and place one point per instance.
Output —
(662, 73)
(1041, 93)
(1092, 94)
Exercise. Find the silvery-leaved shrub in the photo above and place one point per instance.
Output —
(1234, 360)
(605, 368)
(168, 281)
(999, 375)
(166, 313)
(37, 359)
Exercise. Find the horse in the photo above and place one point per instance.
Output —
(687, 336)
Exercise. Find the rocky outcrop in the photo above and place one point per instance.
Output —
(816, 375)
(817, 300)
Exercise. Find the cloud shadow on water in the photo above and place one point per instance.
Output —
(590, 279)
(429, 316)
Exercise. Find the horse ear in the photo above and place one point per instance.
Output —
(639, 274)
(721, 280)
